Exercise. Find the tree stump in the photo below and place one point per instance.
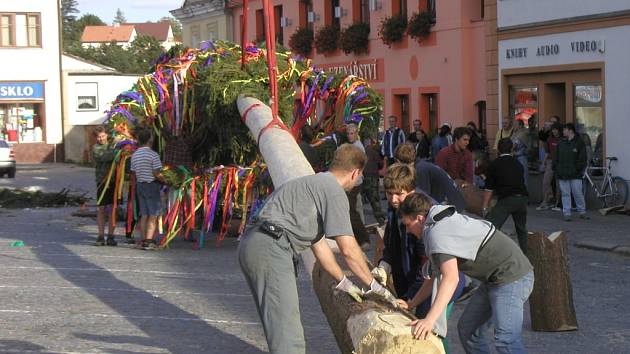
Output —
(369, 327)
(551, 302)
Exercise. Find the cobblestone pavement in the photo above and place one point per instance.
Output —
(60, 294)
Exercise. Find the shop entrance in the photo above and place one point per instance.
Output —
(555, 100)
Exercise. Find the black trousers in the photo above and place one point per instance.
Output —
(360, 232)
(516, 206)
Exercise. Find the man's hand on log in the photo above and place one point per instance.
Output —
(421, 328)
(381, 272)
(346, 285)
(381, 291)
(403, 304)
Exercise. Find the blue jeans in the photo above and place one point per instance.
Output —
(502, 305)
(568, 187)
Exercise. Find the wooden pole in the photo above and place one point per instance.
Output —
(551, 302)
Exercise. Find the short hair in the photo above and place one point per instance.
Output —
(415, 204)
(307, 133)
(400, 177)
(143, 135)
(471, 123)
(347, 158)
(570, 126)
(505, 146)
(98, 130)
(405, 153)
(352, 126)
(459, 132)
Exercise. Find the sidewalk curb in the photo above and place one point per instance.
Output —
(623, 250)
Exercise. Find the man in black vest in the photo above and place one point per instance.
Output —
(505, 178)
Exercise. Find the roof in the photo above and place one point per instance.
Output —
(75, 64)
(157, 30)
(92, 34)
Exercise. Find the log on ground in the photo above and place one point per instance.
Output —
(372, 326)
(551, 301)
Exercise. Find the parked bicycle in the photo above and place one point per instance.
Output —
(612, 190)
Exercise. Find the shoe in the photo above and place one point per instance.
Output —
(467, 292)
(584, 217)
(543, 207)
(556, 208)
(567, 218)
(100, 242)
(111, 241)
(131, 240)
(149, 245)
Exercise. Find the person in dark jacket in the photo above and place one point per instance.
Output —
(568, 165)
(505, 179)
(420, 140)
(371, 179)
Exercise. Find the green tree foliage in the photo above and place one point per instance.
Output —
(68, 9)
(175, 25)
(145, 50)
(120, 17)
(72, 34)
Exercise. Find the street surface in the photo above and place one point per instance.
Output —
(60, 294)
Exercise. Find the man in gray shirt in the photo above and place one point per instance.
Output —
(296, 217)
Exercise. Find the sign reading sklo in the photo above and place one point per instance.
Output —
(21, 90)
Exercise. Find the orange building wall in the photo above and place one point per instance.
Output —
(450, 62)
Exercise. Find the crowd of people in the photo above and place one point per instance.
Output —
(432, 252)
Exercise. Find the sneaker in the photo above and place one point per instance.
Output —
(100, 242)
(567, 218)
(584, 217)
(111, 241)
(556, 208)
(543, 207)
(149, 245)
(467, 292)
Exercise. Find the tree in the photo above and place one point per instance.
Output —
(175, 25)
(73, 35)
(120, 17)
(68, 9)
(145, 50)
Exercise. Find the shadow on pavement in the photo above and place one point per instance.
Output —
(166, 325)
(15, 346)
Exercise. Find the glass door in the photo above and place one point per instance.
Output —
(589, 122)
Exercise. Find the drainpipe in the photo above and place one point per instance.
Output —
(61, 93)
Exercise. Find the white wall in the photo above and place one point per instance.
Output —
(616, 56)
(518, 12)
(109, 86)
(38, 64)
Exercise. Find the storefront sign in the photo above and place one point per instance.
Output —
(367, 71)
(21, 91)
(588, 46)
(516, 53)
(548, 50)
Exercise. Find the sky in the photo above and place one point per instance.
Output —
(134, 10)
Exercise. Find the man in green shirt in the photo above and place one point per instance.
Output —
(455, 242)
(103, 154)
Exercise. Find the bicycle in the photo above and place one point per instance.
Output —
(612, 191)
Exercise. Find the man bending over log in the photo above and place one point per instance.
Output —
(456, 242)
(296, 217)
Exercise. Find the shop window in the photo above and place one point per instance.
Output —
(20, 30)
(588, 115)
(524, 107)
(87, 96)
(21, 122)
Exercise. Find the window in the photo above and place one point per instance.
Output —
(213, 31)
(400, 8)
(33, 30)
(7, 37)
(278, 28)
(87, 96)
(335, 21)
(21, 122)
(431, 10)
(361, 11)
(20, 30)
(306, 7)
(524, 103)
(195, 35)
(588, 112)
(260, 26)
(402, 101)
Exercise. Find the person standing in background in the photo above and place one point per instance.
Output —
(394, 136)
(420, 140)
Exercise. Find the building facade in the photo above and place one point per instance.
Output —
(30, 84)
(204, 20)
(440, 79)
(567, 58)
(88, 90)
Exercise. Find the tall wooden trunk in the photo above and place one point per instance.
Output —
(551, 301)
